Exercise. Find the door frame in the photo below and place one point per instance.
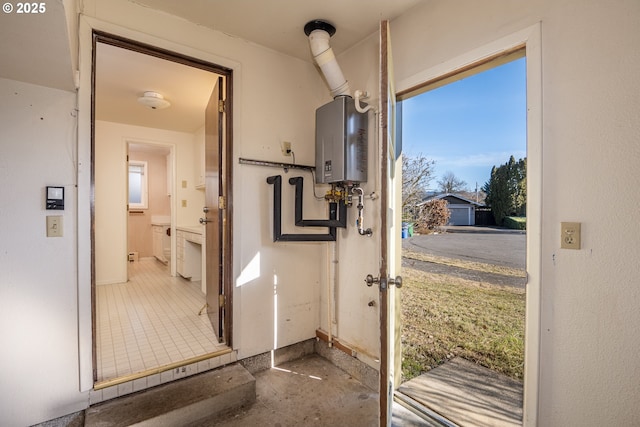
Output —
(528, 39)
(172, 189)
(87, 195)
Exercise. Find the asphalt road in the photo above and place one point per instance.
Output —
(491, 246)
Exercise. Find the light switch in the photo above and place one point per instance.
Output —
(184, 203)
(184, 183)
(54, 226)
(570, 235)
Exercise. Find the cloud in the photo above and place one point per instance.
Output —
(480, 159)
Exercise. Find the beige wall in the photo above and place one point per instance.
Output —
(38, 282)
(111, 192)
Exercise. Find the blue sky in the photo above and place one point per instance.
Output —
(470, 125)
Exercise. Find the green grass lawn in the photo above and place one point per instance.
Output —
(444, 317)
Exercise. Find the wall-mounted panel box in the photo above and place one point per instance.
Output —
(341, 142)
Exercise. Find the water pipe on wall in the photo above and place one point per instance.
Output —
(360, 206)
(357, 96)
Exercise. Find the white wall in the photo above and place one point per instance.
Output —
(111, 191)
(38, 287)
(589, 373)
(355, 322)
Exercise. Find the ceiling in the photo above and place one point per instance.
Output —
(123, 75)
(37, 51)
(278, 24)
(35, 48)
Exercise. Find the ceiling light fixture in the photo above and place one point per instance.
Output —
(153, 100)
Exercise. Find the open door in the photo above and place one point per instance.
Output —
(214, 203)
(390, 253)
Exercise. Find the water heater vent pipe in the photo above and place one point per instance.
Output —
(319, 33)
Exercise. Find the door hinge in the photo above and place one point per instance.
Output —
(221, 300)
(222, 203)
(221, 106)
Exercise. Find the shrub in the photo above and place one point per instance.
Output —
(433, 214)
(515, 222)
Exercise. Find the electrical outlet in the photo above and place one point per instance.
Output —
(286, 148)
(570, 235)
(184, 183)
(184, 203)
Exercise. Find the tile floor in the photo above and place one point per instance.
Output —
(150, 321)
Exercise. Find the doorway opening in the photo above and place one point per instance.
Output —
(159, 260)
(464, 241)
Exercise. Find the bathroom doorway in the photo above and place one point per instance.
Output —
(149, 294)
(150, 186)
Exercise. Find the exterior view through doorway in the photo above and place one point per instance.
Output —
(464, 297)
(178, 294)
(525, 43)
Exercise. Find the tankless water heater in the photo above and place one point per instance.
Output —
(341, 142)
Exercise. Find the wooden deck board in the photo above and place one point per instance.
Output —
(468, 394)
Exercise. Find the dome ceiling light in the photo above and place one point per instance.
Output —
(154, 100)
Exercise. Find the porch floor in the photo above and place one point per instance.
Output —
(468, 394)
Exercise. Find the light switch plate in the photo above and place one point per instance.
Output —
(570, 235)
(54, 226)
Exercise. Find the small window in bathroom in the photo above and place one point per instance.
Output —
(138, 185)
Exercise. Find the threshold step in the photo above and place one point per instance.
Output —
(180, 402)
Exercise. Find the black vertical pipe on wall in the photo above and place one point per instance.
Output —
(341, 206)
(276, 181)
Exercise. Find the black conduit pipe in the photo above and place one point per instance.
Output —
(276, 181)
(342, 210)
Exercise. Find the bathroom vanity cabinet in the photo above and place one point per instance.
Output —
(189, 252)
(161, 242)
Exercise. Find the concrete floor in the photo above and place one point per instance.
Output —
(309, 391)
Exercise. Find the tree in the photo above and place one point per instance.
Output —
(507, 189)
(417, 173)
(449, 183)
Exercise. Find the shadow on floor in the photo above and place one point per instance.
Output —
(309, 391)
